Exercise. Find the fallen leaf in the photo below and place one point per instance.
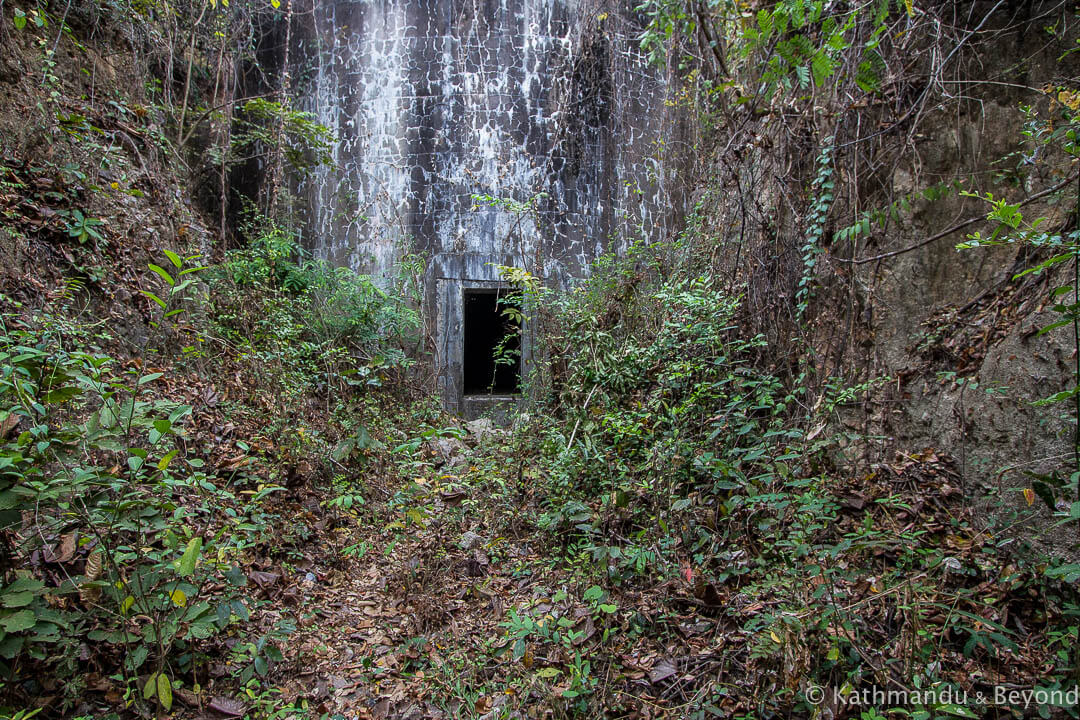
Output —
(227, 707)
(454, 497)
(187, 697)
(7, 425)
(662, 670)
(68, 547)
(687, 572)
(264, 579)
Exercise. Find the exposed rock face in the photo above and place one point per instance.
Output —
(949, 339)
(541, 101)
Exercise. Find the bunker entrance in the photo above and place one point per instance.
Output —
(492, 339)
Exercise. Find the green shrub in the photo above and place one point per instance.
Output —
(117, 542)
(317, 325)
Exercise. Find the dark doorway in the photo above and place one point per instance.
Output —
(492, 357)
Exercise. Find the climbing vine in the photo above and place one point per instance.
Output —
(821, 191)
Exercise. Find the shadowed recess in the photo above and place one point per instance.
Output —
(492, 345)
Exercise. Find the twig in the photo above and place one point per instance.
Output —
(197, 121)
(56, 43)
(1076, 356)
(583, 407)
(956, 227)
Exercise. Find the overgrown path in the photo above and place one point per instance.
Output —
(430, 615)
(432, 612)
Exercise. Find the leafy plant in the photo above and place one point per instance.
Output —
(84, 228)
(821, 201)
(305, 326)
(96, 479)
(306, 143)
(1010, 227)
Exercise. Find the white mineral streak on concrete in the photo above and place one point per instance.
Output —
(434, 102)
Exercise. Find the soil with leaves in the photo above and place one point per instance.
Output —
(458, 607)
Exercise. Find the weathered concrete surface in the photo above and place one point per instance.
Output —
(437, 102)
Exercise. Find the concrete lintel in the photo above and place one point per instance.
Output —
(473, 266)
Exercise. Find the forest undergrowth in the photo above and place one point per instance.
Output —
(673, 532)
(228, 488)
(677, 534)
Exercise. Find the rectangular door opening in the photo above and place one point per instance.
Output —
(492, 342)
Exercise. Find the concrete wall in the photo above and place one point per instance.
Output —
(437, 102)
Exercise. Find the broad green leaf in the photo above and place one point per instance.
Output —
(150, 688)
(241, 610)
(155, 298)
(1053, 326)
(162, 272)
(236, 577)
(10, 646)
(25, 584)
(17, 599)
(163, 463)
(174, 258)
(1057, 397)
(180, 288)
(17, 622)
(164, 691)
(138, 656)
(8, 499)
(187, 562)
